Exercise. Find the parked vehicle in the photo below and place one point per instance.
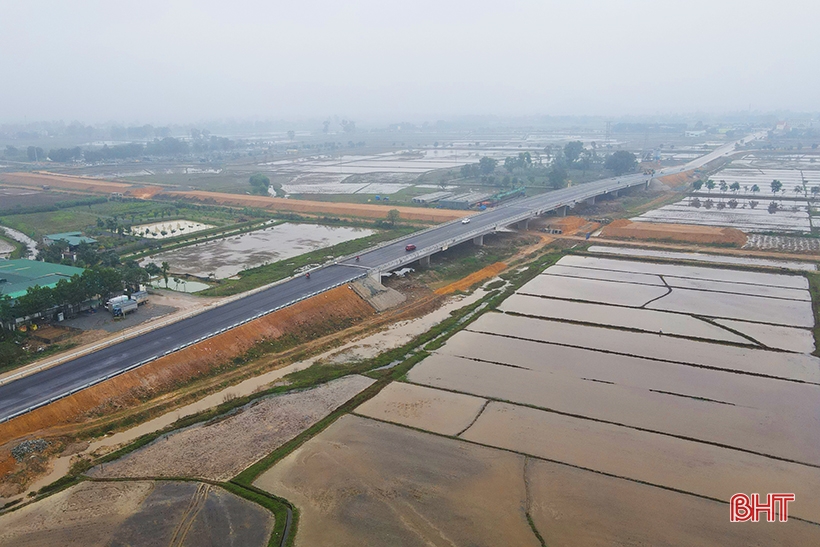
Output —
(410, 247)
(120, 309)
(109, 305)
(140, 297)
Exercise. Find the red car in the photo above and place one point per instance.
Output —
(410, 247)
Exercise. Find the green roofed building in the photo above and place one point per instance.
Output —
(72, 238)
(16, 276)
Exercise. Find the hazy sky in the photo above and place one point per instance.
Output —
(178, 61)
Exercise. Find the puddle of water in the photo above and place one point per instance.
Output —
(227, 257)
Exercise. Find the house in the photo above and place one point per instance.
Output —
(73, 239)
(16, 276)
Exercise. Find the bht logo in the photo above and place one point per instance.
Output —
(748, 508)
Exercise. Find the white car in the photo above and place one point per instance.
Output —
(465, 221)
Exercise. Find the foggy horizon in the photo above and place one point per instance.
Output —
(188, 61)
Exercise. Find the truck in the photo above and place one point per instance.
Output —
(122, 308)
(109, 305)
(140, 297)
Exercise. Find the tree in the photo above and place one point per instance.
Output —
(814, 191)
(755, 188)
(710, 185)
(164, 269)
(776, 186)
(723, 187)
(557, 175)
(291, 134)
(621, 162)
(487, 165)
(735, 187)
(697, 185)
(259, 184)
(572, 151)
(393, 216)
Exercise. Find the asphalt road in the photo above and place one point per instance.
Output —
(39, 388)
(50, 384)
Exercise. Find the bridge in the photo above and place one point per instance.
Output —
(25, 391)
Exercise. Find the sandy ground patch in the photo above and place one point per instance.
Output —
(463, 284)
(362, 482)
(632, 318)
(805, 368)
(697, 468)
(626, 229)
(423, 408)
(364, 210)
(756, 414)
(592, 290)
(65, 181)
(223, 449)
(138, 513)
(577, 507)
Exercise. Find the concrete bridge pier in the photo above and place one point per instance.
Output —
(424, 261)
(524, 224)
(591, 200)
(562, 211)
(375, 274)
(615, 193)
(478, 240)
(646, 186)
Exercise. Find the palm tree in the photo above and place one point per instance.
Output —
(165, 268)
(814, 191)
(735, 187)
(755, 188)
(723, 187)
(776, 186)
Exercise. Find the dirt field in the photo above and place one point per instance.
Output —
(221, 450)
(67, 182)
(320, 314)
(577, 507)
(138, 513)
(423, 408)
(362, 482)
(320, 207)
(627, 229)
(463, 284)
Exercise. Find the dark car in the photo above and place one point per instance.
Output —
(410, 247)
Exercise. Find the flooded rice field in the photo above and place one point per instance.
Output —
(593, 290)
(792, 216)
(616, 316)
(604, 390)
(571, 506)
(694, 467)
(793, 366)
(362, 482)
(786, 338)
(227, 257)
(97, 514)
(423, 408)
(716, 259)
(670, 399)
(693, 272)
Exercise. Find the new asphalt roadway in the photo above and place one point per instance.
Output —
(40, 388)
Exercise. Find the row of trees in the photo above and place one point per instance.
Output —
(776, 187)
(168, 146)
(96, 282)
